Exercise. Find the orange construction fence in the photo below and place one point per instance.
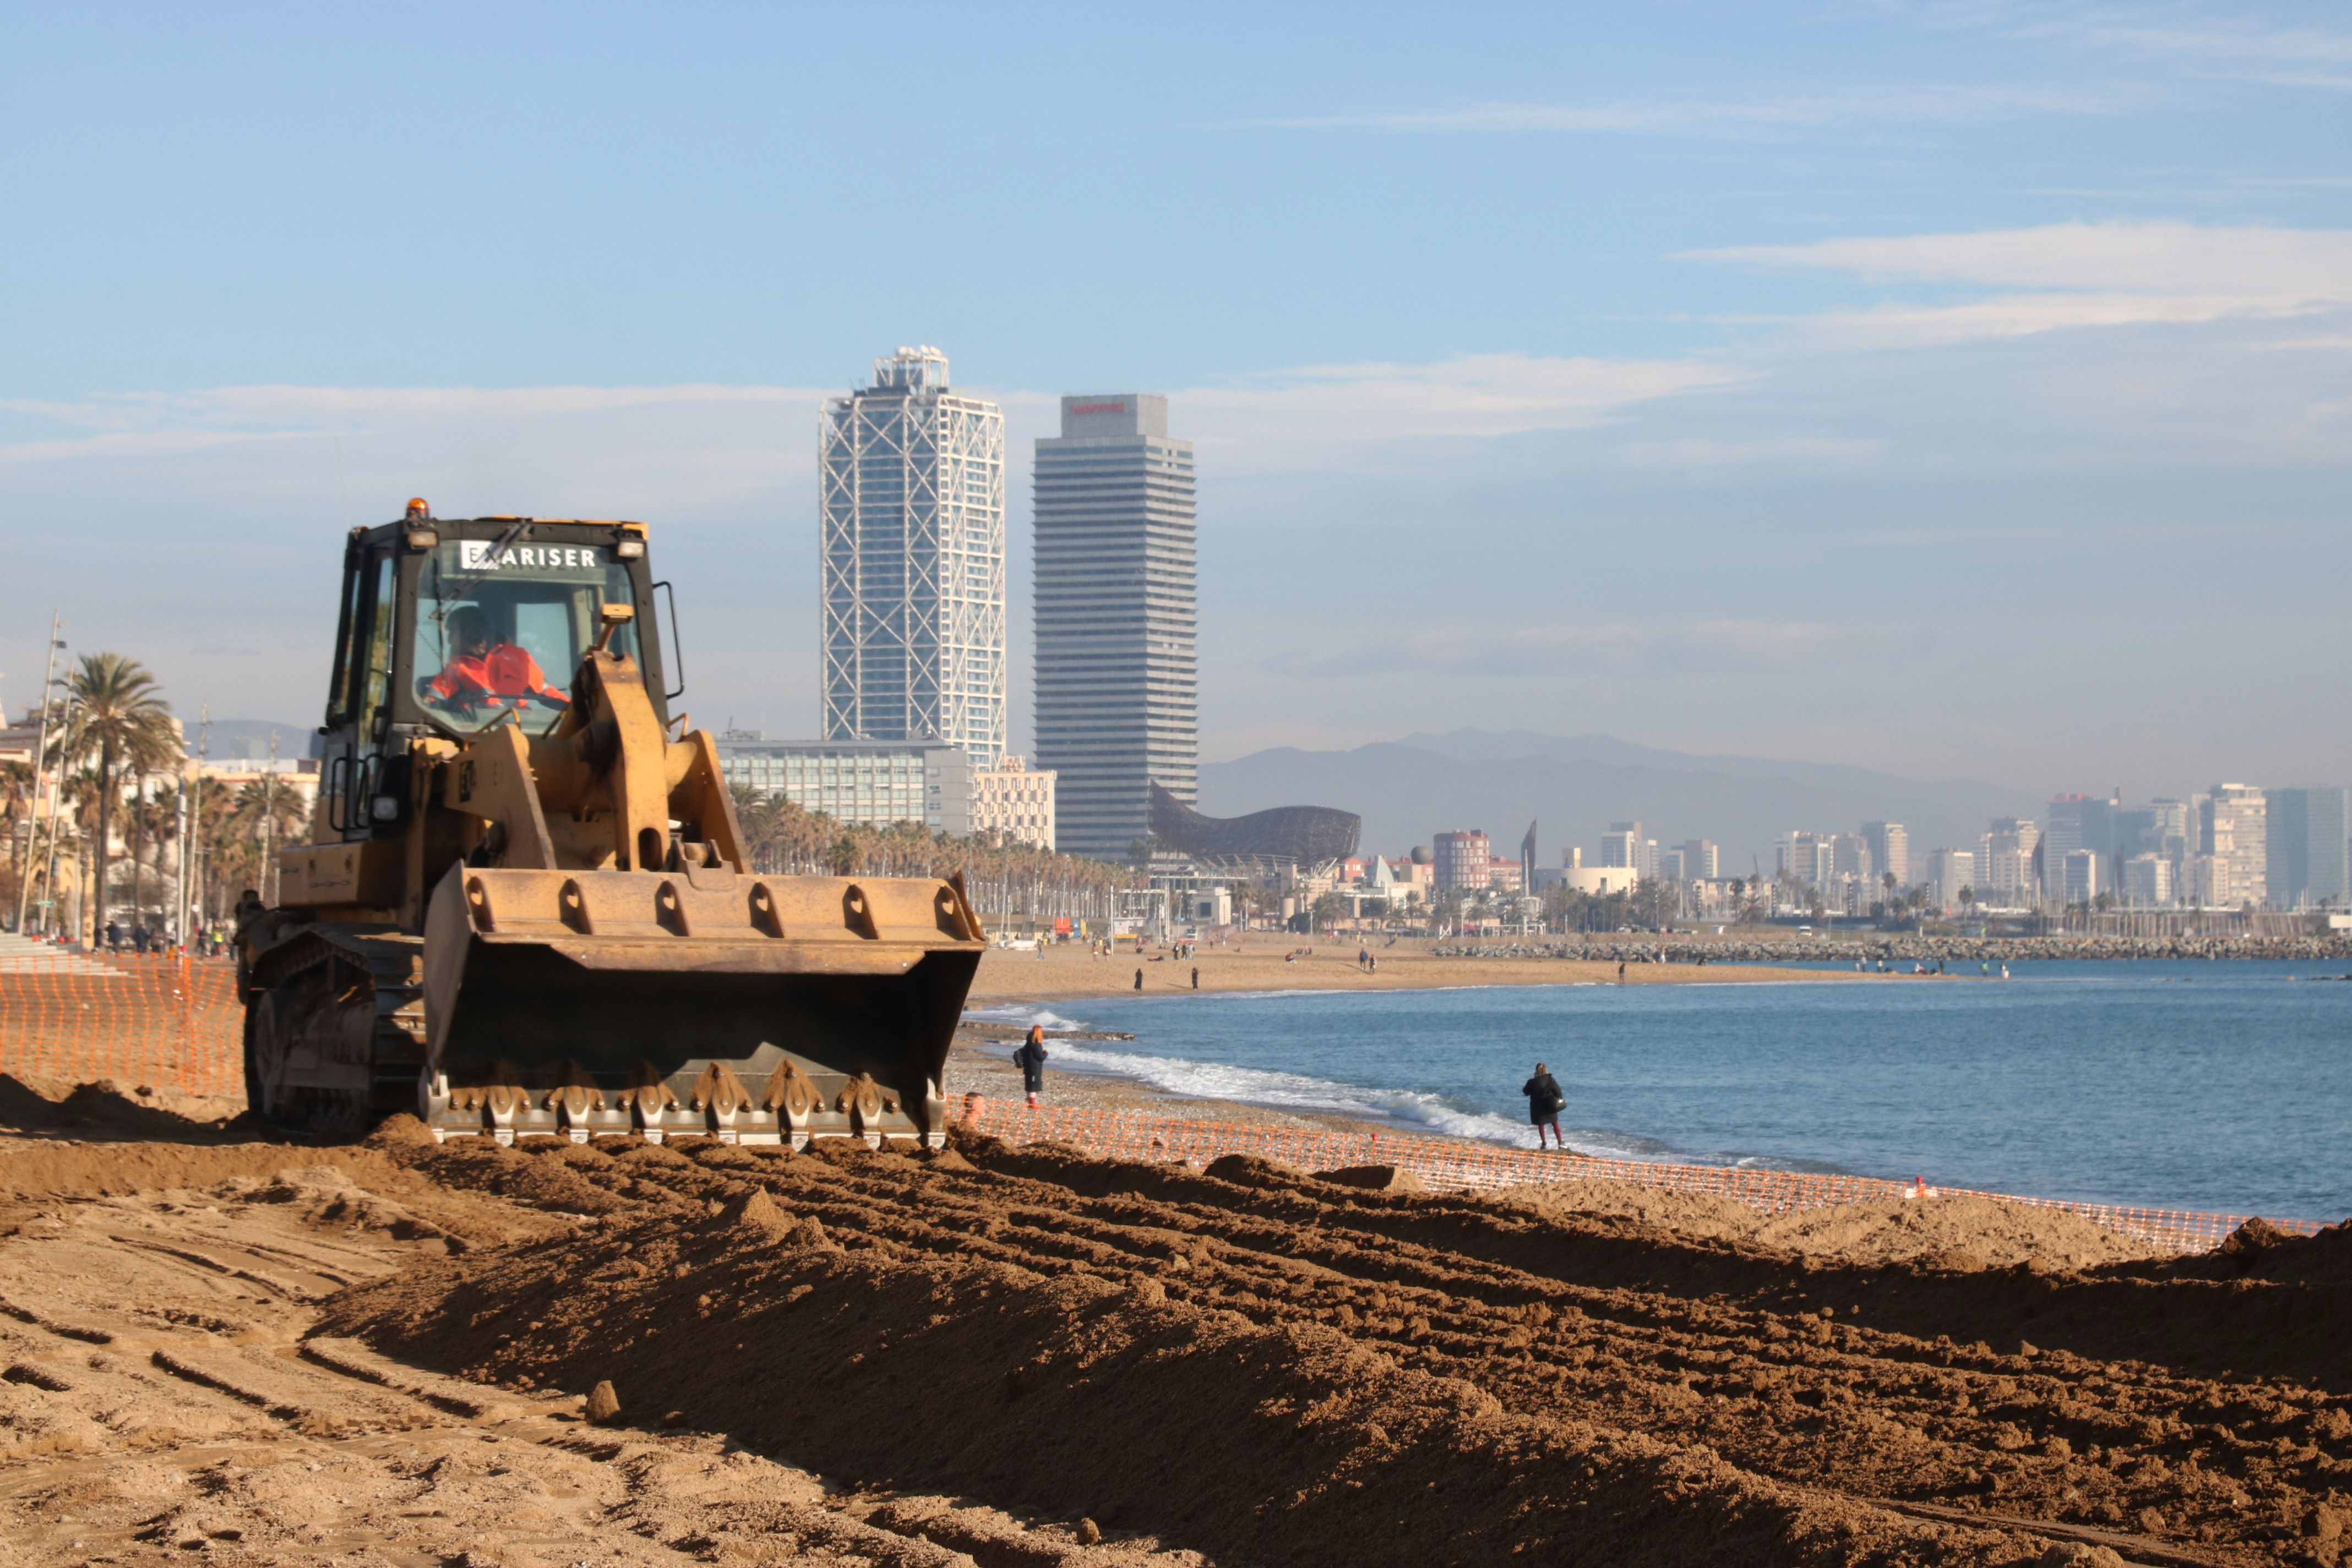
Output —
(169, 1022)
(1453, 1164)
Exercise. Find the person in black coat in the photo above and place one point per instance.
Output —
(1032, 1057)
(1545, 1101)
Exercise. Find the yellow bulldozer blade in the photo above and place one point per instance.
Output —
(751, 1009)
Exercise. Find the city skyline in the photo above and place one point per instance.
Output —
(1642, 374)
(2232, 848)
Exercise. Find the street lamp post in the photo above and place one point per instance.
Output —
(49, 873)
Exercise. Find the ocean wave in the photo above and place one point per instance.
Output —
(1023, 1013)
(1414, 1110)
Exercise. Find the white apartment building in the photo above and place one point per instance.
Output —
(1623, 846)
(1890, 850)
(874, 783)
(1702, 860)
(1850, 858)
(2234, 826)
(1949, 870)
(2209, 883)
(1013, 802)
(1807, 855)
(2005, 863)
(2147, 881)
(2078, 876)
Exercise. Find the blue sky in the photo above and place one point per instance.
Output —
(1958, 390)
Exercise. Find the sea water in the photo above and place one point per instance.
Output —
(2223, 1084)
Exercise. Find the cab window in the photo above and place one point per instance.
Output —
(502, 624)
(375, 671)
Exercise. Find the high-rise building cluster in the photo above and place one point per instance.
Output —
(912, 551)
(2232, 848)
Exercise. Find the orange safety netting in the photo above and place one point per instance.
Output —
(1447, 1163)
(172, 1022)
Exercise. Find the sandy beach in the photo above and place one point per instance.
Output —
(226, 1349)
(1011, 975)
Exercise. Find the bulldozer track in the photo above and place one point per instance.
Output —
(1594, 1338)
(155, 1404)
(390, 964)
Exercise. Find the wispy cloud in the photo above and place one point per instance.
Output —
(2068, 275)
(698, 450)
(2153, 256)
(2235, 48)
(1701, 452)
(1726, 117)
(704, 440)
(1290, 416)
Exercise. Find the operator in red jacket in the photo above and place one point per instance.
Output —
(483, 672)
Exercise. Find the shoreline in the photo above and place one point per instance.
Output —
(979, 1065)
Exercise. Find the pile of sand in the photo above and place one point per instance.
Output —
(104, 1109)
(1960, 1233)
(757, 1294)
(1273, 1366)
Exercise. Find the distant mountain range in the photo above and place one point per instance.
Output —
(1574, 786)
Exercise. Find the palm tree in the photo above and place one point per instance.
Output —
(269, 808)
(18, 785)
(117, 715)
(158, 824)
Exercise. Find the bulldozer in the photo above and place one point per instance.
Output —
(525, 909)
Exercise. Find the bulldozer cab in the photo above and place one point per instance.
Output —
(450, 626)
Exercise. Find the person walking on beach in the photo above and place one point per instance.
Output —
(1545, 1101)
(1196, 978)
(1032, 1057)
(1139, 980)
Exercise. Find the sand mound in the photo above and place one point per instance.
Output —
(2260, 1250)
(1953, 1234)
(1250, 1170)
(103, 1109)
(1296, 1445)
(1374, 1178)
(1281, 1367)
(1686, 1213)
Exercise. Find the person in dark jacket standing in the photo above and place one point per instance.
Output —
(1544, 1102)
(1032, 1057)
(1139, 980)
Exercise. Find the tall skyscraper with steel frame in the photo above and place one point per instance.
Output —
(911, 521)
(1118, 686)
